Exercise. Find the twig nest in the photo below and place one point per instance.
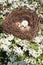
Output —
(23, 23)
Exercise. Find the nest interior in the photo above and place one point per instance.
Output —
(13, 23)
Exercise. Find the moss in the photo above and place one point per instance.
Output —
(33, 46)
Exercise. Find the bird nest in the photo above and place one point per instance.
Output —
(23, 23)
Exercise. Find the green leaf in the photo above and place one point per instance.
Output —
(0, 43)
(1, 20)
(41, 57)
(37, 63)
(19, 58)
(33, 46)
(42, 31)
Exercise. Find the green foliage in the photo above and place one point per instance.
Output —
(11, 53)
(1, 19)
(37, 63)
(42, 31)
(30, 1)
(33, 46)
(16, 41)
(1, 35)
(0, 43)
(19, 58)
(41, 57)
(3, 57)
(12, 46)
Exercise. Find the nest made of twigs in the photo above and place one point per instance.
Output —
(13, 24)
